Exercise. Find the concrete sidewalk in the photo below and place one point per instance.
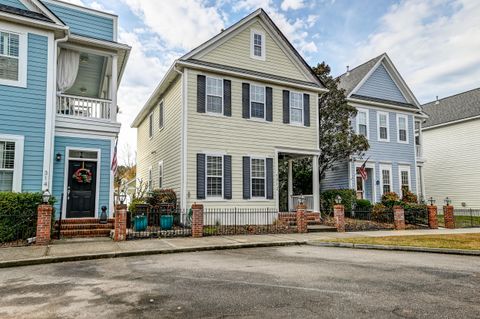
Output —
(81, 249)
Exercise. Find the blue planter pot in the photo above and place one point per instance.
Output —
(140, 223)
(166, 222)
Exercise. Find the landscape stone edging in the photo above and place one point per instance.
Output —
(463, 252)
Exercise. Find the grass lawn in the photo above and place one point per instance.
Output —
(457, 241)
(460, 221)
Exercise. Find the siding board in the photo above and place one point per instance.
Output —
(380, 85)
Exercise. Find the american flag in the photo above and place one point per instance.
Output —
(363, 171)
(114, 159)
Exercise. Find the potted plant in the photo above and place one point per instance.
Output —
(165, 200)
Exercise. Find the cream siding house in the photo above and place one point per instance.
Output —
(232, 108)
(451, 144)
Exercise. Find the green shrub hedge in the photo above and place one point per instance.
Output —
(328, 199)
(18, 215)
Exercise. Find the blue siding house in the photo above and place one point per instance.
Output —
(60, 67)
(389, 116)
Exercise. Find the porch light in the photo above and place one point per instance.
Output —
(338, 199)
(431, 200)
(122, 197)
(46, 196)
(59, 157)
(301, 200)
(447, 201)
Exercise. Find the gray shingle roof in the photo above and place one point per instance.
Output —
(453, 108)
(350, 81)
(24, 13)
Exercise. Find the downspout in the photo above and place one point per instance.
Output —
(183, 151)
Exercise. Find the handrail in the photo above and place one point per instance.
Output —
(84, 107)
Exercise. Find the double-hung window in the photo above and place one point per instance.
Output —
(214, 95)
(11, 163)
(258, 177)
(257, 101)
(160, 115)
(214, 176)
(257, 49)
(404, 172)
(12, 58)
(296, 108)
(362, 123)
(383, 126)
(160, 174)
(386, 172)
(402, 124)
(150, 125)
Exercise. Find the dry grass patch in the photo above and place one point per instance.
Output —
(456, 241)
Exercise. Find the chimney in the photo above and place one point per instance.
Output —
(348, 70)
(437, 101)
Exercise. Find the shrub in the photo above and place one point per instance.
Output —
(162, 196)
(390, 199)
(380, 212)
(409, 197)
(133, 204)
(328, 199)
(18, 215)
(363, 204)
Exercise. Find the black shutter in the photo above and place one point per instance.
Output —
(227, 98)
(201, 94)
(200, 176)
(268, 104)
(286, 106)
(269, 165)
(227, 176)
(245, 100)
(306, 109)
(246, 177)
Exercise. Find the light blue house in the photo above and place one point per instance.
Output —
(60, 67)
(388, 115)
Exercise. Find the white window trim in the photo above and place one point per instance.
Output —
(357, 122)
(150, 126)
(22, 58)
(252, 36)
(389, 168)
(302, 123)
(264, 178)
(162, 174)
(161, 106)
(264, 102)
(150, 179)
(378, 126)
(221, 113)
(18, 163)
(215, 198)
(404, 168)
(406, 128)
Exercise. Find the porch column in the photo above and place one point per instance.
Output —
(290, 185)
(113, 88)
(315, 185)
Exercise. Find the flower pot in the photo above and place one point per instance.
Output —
(140, 223)
(166, 222)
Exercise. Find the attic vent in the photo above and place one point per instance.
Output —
(348, 70)
(437, 101)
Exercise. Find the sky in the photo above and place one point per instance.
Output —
(435, 44)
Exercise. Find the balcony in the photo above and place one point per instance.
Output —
(84, 107)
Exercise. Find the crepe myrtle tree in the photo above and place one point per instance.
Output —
(338, 140)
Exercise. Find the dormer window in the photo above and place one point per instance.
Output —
(257, 50)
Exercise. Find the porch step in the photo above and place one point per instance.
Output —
(291, 218)
(84, 221)
(76, 233)
(85, 226)
(320, 228)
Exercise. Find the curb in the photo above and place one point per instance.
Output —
(462, 252)
(59, 259)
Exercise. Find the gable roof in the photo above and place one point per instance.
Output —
(263, 16)
(353, 80)
(25, 13)
(454, 108)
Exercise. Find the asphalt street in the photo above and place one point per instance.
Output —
(281, 282)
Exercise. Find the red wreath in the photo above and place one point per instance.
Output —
(83, 176)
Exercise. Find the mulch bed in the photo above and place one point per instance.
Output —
(364, 225)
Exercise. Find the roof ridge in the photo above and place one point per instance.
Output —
(450, 96)
(360, 65)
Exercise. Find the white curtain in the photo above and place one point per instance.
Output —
(67, 69)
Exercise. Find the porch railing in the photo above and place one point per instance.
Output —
(83, 107)
(307, 200)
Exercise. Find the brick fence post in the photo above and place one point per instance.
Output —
(301, 218)
(449, 217)
(44, 224)
(399, 217)
(432, 217)
(120, 222)
(197, 220)
(339, 216)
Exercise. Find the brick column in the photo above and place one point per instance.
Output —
(197, 220)
(449, 217)
(44, 224)
(398, 218)
(339, 216)
(301, 218)
(432, 217)
(120, 222)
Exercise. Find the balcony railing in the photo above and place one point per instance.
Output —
(307, 200)
(83, 107)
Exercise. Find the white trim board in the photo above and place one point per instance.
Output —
(18, 161)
